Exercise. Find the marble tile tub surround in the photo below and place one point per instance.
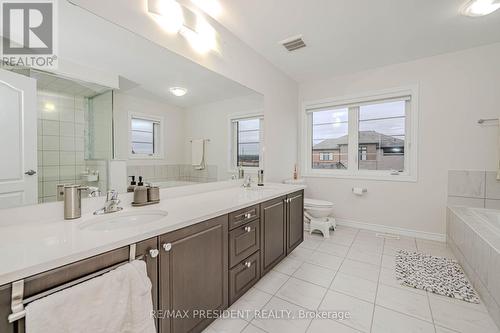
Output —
(36, 238)
(477, 249)
(177, 172)
(473, 189)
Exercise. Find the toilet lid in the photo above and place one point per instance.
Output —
(317, 203)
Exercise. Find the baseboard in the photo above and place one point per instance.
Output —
(392, 230)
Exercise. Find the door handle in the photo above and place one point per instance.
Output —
(167, 247)
(30, 172)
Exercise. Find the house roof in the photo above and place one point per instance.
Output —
(365, 137)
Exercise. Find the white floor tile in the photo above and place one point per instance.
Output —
(368, 246)
(226, 325)
(279, 307)
(325, 260)
(302, 293)
(329, 326)
(389, 262)
(360, 311)
(444, 330)
(387, 321)
(288, 266)
(252, 329)
(271, 282)
(251, 301)
(315, 274)
(365, 256)
(341, 239)
(333, 249)
(300, 253)
(360, 269)
(388, 278)
(404, 301)
(355, 286)
(311, 243)
(460, 318)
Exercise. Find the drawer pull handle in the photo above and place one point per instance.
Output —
(153, 253)
(248, 229)
(167, 247)
(248, 264)
(248, 215)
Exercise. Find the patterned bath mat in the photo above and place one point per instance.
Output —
(438, 275)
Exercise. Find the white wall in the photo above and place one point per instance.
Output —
(236, 61)
(173, 128)
(211, 121)
(455, 90)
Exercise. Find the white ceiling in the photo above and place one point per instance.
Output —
(344, 36)
(146, 68)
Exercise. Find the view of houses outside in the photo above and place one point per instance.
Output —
(381, 137)
(248, 142)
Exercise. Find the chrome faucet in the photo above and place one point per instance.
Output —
(111, 204)
(248, 182)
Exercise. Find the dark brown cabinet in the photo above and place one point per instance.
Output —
(243, 276)
(193, 274)
(295, 220)
(282, 228)
(273, 233)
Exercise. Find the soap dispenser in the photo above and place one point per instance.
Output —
(132, 185)
(140, 193)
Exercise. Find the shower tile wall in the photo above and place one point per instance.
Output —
(474, 189)
(60, 141)
(174, 172)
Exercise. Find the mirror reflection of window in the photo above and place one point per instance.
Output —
(247, 138)
(144, 135)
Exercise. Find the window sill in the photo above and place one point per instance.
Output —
(145, 157)
(379, 177)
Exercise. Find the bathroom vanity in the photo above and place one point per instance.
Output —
(206, 265)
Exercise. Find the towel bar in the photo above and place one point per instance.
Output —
(18, 303)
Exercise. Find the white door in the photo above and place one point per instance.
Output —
(18, 140)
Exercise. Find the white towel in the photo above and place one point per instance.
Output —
(198, 154)
(116, 302)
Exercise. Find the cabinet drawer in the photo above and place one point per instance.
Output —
(243, 216)
(243, 241)
(243, 276)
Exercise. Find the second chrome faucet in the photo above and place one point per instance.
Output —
(111, 204)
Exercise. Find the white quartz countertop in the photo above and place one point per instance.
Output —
(30, 247)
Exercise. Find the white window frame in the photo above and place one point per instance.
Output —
(352, 172)
(160, 151)
(233, 141)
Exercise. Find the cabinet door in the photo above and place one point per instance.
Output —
(273, 233)
(193, 275)
(295, 220)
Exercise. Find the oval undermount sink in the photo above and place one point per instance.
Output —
(121, 220)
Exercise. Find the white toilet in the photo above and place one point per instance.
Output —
(318, 216)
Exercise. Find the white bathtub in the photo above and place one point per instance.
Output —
(490, 216)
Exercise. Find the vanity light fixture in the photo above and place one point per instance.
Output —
(477, 8)
(175, 18)
(178, 91)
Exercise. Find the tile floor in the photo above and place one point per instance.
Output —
(352, 271)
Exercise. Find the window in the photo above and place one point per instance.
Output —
(366, 137)
(247, 136)
(145, 136)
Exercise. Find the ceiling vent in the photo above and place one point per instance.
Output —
(293, 43)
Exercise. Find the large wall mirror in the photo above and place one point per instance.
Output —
(118, 106)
